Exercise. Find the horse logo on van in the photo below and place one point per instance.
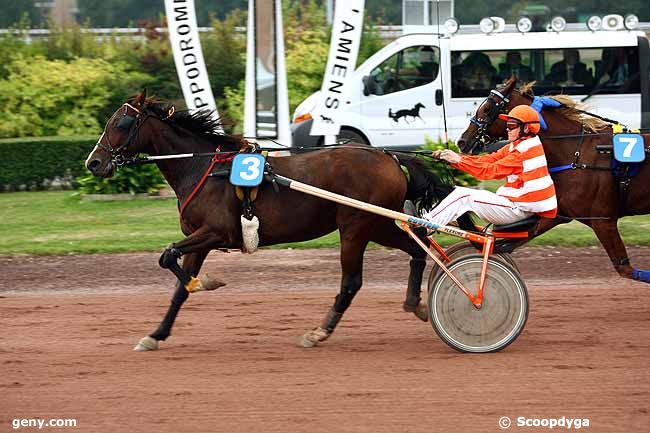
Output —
(413, 112)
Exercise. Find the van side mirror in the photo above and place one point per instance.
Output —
(369, 85)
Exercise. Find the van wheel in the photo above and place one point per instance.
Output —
(352, 136)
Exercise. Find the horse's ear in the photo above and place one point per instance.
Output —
(142, 97)
(510, 84)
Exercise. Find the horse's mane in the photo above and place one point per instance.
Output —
(201, 123)
(569, 109)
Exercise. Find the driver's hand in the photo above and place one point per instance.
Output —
(447, 155)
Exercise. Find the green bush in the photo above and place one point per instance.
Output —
(52, 97)
(127, 180)
(29, 161)
(443, 170)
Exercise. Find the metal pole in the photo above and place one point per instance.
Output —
(330, 11)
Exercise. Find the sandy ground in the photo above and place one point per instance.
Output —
(233, 363)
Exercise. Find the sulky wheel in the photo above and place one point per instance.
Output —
(496, 324)
(464, 248)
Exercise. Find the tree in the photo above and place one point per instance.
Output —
(122, 13)
(13, 11)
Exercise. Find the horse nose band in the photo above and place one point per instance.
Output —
(126, 122)
(483, 125)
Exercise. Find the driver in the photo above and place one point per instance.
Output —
(528, 189)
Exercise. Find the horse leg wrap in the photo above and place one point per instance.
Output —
(169, 260)
(331, 320)
(323, 332)
(641, 275)
(205, 282)
(414, 285)
(169, 257)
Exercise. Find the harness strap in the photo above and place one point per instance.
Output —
(561, 168)
(218, 158)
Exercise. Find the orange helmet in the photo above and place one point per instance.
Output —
(524, 114)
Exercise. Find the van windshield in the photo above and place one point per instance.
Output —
(412, 67)
(572, 71)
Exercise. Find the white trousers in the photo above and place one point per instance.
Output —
(487, 205)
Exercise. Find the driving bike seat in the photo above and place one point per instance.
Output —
(518, 226)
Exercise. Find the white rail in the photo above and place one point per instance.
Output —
(385, 32)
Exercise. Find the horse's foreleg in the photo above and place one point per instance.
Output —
(194, 250)
(352, 264)
(201, 240)
(191, 265)
(610, 238)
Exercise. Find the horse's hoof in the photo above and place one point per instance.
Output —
(313, 337)
(146, 344)
(208, 282)
(422, 312)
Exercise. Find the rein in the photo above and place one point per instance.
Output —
(576, 163)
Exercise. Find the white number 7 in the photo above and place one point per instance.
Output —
(631, 141)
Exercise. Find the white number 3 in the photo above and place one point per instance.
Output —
(252, 170)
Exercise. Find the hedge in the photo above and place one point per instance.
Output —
(30, 161)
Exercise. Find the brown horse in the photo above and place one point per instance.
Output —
(211, 220)
(586, 187)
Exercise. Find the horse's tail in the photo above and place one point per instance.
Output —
(390, 113)
(425, 188)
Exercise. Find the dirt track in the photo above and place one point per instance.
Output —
(233, 364)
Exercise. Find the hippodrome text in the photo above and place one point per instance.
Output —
(191, 64)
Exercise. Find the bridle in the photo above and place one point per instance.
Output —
(129, 123)
(497, 105)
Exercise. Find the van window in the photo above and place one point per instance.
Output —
(409, 68)
(571, 71)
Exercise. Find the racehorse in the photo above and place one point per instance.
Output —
(586, 188)
(210, 215)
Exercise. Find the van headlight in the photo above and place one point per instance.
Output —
(613, 22)
(631, 21)
(524, 24)
(594, 23)
(305, 108)
(558, 24)
(452, 25)
(486, 25)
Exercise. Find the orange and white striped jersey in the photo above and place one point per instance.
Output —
(523, 164)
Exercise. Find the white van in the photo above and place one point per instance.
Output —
(395, 97)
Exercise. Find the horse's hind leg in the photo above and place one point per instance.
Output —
(352, 265)
(192, 265)
(393, 237)
(610, 238)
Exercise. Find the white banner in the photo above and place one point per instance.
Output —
(188, 56)
(344, 48)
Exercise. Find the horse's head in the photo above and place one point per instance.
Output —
(486, 127)
(121, 139)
